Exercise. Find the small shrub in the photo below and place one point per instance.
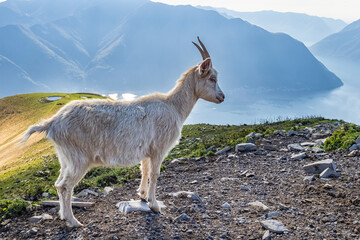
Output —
(343, 138)
(11, 208)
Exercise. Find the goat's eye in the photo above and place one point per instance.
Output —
(213, 79)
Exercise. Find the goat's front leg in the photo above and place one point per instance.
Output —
(143, 188)
(155, 164)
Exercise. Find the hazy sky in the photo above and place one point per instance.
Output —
(347, 10)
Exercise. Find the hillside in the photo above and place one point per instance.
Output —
(222, 188)
(305, 28)
(17, 113)
(341, 46)
(131, 43)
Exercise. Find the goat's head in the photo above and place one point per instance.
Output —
(207, 86)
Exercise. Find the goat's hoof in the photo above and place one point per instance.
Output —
(155, 207)
(74, 224)
(143, 199)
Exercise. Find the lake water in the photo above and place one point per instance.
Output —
(342, 103)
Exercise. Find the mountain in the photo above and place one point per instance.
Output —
(140, 46)
(307, 29)
(344, 45)
(155, 41)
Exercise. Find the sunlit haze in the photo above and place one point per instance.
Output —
(347, 10)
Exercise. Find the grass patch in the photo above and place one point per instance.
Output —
(343, 138)
(12, 208)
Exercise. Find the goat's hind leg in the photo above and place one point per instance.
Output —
(143, 188)
(72, 176)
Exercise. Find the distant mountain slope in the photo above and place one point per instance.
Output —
(306, 28)
(155, 41)
(344, 45)
(17, 79)
(140, 46)
(39, 60)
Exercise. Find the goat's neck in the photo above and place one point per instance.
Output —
(183, 96)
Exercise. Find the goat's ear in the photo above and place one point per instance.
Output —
(205, 66)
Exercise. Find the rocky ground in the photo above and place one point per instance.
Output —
(273, 174)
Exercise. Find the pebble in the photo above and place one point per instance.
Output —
(309, 179)
(174, 161)
(295, 147)
(274, 226)
(86, 192)
(187, 194)
(317, 150)
(319, 166)
(107, 190)
(35, 219)
(245, 147)
(280, 132)
(226, 205)
(244, 188)
(307, 144)
(258, 204)
(183, 217)
(354, 153)
(266, 235)
(270, 148)
(298, 156)
(271, 214)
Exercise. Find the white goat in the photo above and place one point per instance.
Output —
(101, 132)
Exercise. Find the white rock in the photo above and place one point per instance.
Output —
(329, 173)
(266, 235)
(274, 226)
(138, 205)
(298, 156)
(46, 216)
(307, 144)
(174, 161)
(309, 179)
(259, 204)
(187, 194)
(244, 147)
(86, 192)
(295, 147)
(107, 190)
(318, 167)
(317, 150)
(224, 150)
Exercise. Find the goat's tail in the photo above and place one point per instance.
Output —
(41, 127)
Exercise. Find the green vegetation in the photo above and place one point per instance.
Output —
(11, 208)
(343, 137)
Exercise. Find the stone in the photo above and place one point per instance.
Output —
(317, 150)
(270, 148)
(226, 205)
(354, 147)
(35, 219)
(187, 194)
(245, 147)
(292, 133)
(274, 226)
(174, 161)
(309, 179)
(298, 156)
(244, 188)
(280, 132)
(358, 140)
(136, 205)
(75, 199)
(271, 214)
(86, 192)
(107, 190)
(258, 204)
(318, 167)
(45, 195)
(33, 231)
(295, 147)
(183, 218)
(46, 216)
(354, 153)
(224, 150)
(307, 144)
(266, 235)
(329, 173)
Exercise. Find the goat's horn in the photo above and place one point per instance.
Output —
(207, 55)
(203, 51)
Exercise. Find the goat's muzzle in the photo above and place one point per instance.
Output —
(220, 97)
